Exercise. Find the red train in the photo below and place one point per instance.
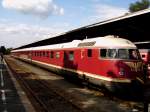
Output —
(104, 61)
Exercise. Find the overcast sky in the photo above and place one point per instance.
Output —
(26, 21)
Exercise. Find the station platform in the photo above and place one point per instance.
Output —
(12, 98)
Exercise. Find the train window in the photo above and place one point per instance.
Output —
(40, 53)
(57, 55)
(51, 54)
(65, 56)
(36, 53)
(111, 53)
(47, 54)
(108, 53)
(32, 53)
(123, 54)
(89, 53)
(120, 53)
(43, 53)
(71, 55)
(103, 53)
(134, 54)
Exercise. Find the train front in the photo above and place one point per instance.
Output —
(126, 68)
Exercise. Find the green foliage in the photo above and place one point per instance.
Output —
(139, 5)
(8, 51)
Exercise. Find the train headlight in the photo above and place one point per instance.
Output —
(122, 72)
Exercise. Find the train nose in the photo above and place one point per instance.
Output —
(135, 66)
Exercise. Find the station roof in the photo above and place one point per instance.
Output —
(132, 26)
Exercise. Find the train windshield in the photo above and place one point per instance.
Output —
(120, 53)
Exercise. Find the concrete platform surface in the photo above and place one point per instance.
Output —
(12, 98)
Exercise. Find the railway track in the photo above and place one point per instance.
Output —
(43, 98)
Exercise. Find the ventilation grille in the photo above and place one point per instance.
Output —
(86, 44)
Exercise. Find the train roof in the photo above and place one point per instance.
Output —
(107, 41)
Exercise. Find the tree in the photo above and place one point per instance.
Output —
(2, 49)
(8, 51)
(139, 5)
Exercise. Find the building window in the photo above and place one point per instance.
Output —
(51, 54)
(89, 53)
(57, 55)
(71, 55)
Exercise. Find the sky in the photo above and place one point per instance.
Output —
(26, 21)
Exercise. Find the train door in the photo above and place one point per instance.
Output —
(69, 59)
(83, 58)
(86, 58)
(87, 63)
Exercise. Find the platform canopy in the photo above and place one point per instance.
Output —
(132, 26)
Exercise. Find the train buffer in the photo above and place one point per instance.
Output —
(12, 98)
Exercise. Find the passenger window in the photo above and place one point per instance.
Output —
(51, 54)
(57, 55)
(134, 54)
(89, 53)
(47, 54)
(43, 53)
(65, 55)
(31, 53)
(71, 55)
(111, 53)
(123, 54)
(103, 53)
(40, 53)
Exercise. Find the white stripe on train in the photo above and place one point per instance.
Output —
(82, 72)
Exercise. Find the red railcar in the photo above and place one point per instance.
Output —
(106, 61)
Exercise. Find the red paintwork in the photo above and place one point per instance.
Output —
(94, 64)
